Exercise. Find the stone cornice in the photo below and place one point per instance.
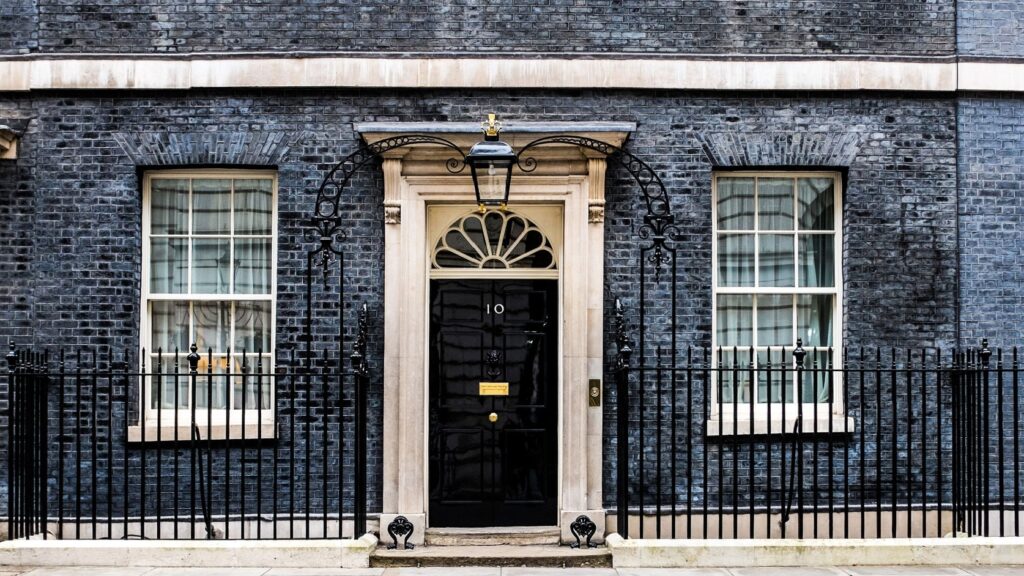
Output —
(139, 72)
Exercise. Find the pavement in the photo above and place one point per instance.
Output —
(485, 571)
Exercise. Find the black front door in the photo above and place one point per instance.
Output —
(493, 455)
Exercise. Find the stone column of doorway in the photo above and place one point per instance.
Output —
(590, 499)
(404, 402)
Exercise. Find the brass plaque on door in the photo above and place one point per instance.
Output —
(494, 389)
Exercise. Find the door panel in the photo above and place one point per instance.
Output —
(485, 473)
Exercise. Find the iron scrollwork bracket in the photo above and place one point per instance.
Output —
(659, 224)
(400, 527)
(583, 527)
(326, 216)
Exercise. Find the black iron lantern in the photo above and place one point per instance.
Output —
(491, 162)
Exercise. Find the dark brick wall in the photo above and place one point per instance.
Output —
(899, 210)
(19, 26)
(899, 272)
(17, 212)
(679, 26)
(991, 209)
(990, 28)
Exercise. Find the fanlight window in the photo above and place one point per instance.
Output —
(493, 240)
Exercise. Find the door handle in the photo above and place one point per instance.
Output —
(493, 417)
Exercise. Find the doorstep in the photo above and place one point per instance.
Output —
(501, 555)
(971, 551)
(493, 536)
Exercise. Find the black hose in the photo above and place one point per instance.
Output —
(787, 505)
(198, 436)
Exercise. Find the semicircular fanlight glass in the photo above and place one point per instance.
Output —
(493, 240)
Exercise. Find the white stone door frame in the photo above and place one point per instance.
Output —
(566, 176)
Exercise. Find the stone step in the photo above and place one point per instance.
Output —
(492, 536)
(499, 555)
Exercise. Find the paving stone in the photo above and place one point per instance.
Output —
(88, 571)
(994, 570)
(430, 571)
(904, 571)
(207, 572)
(325, 572)
(672, 572)
(786, 571)
(526, 571)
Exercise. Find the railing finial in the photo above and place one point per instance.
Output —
(12, 356)
(799, 353)
(985, 352)
(193, 358)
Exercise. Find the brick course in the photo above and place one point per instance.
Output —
(991, 28)
(678, 26)
(991, 213)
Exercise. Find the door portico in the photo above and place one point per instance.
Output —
(569, 178)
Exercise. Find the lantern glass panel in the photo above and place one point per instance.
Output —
(492, 181)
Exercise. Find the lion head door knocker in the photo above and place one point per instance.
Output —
(492, 363)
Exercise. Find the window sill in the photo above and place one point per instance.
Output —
(218, 432)
(728, 427)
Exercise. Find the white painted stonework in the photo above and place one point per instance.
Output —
(853, 552)
(183, 72)
(177, 553)
(421, 199)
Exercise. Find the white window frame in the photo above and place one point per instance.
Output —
(727, 419)
(205, 417)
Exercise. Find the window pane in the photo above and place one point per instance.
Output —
(211, 207)
(252, 326)
(774, 320)
(252, 389)
(213, 325)
(168, 259)
(253, 206)
(774, 376)
(775, 204)
(211, 260)
(169, 206)
(736, 203)
(169, 323)
(736, 260)
(166, 375)
(776, 260)
(816, 386)
(733, 375)
(252, 266)
(817, 262)
(211, 388)
(814, 315)
(735, 319)
(816, 199)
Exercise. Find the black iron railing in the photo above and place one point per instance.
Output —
(252, 448)
(852, 443)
